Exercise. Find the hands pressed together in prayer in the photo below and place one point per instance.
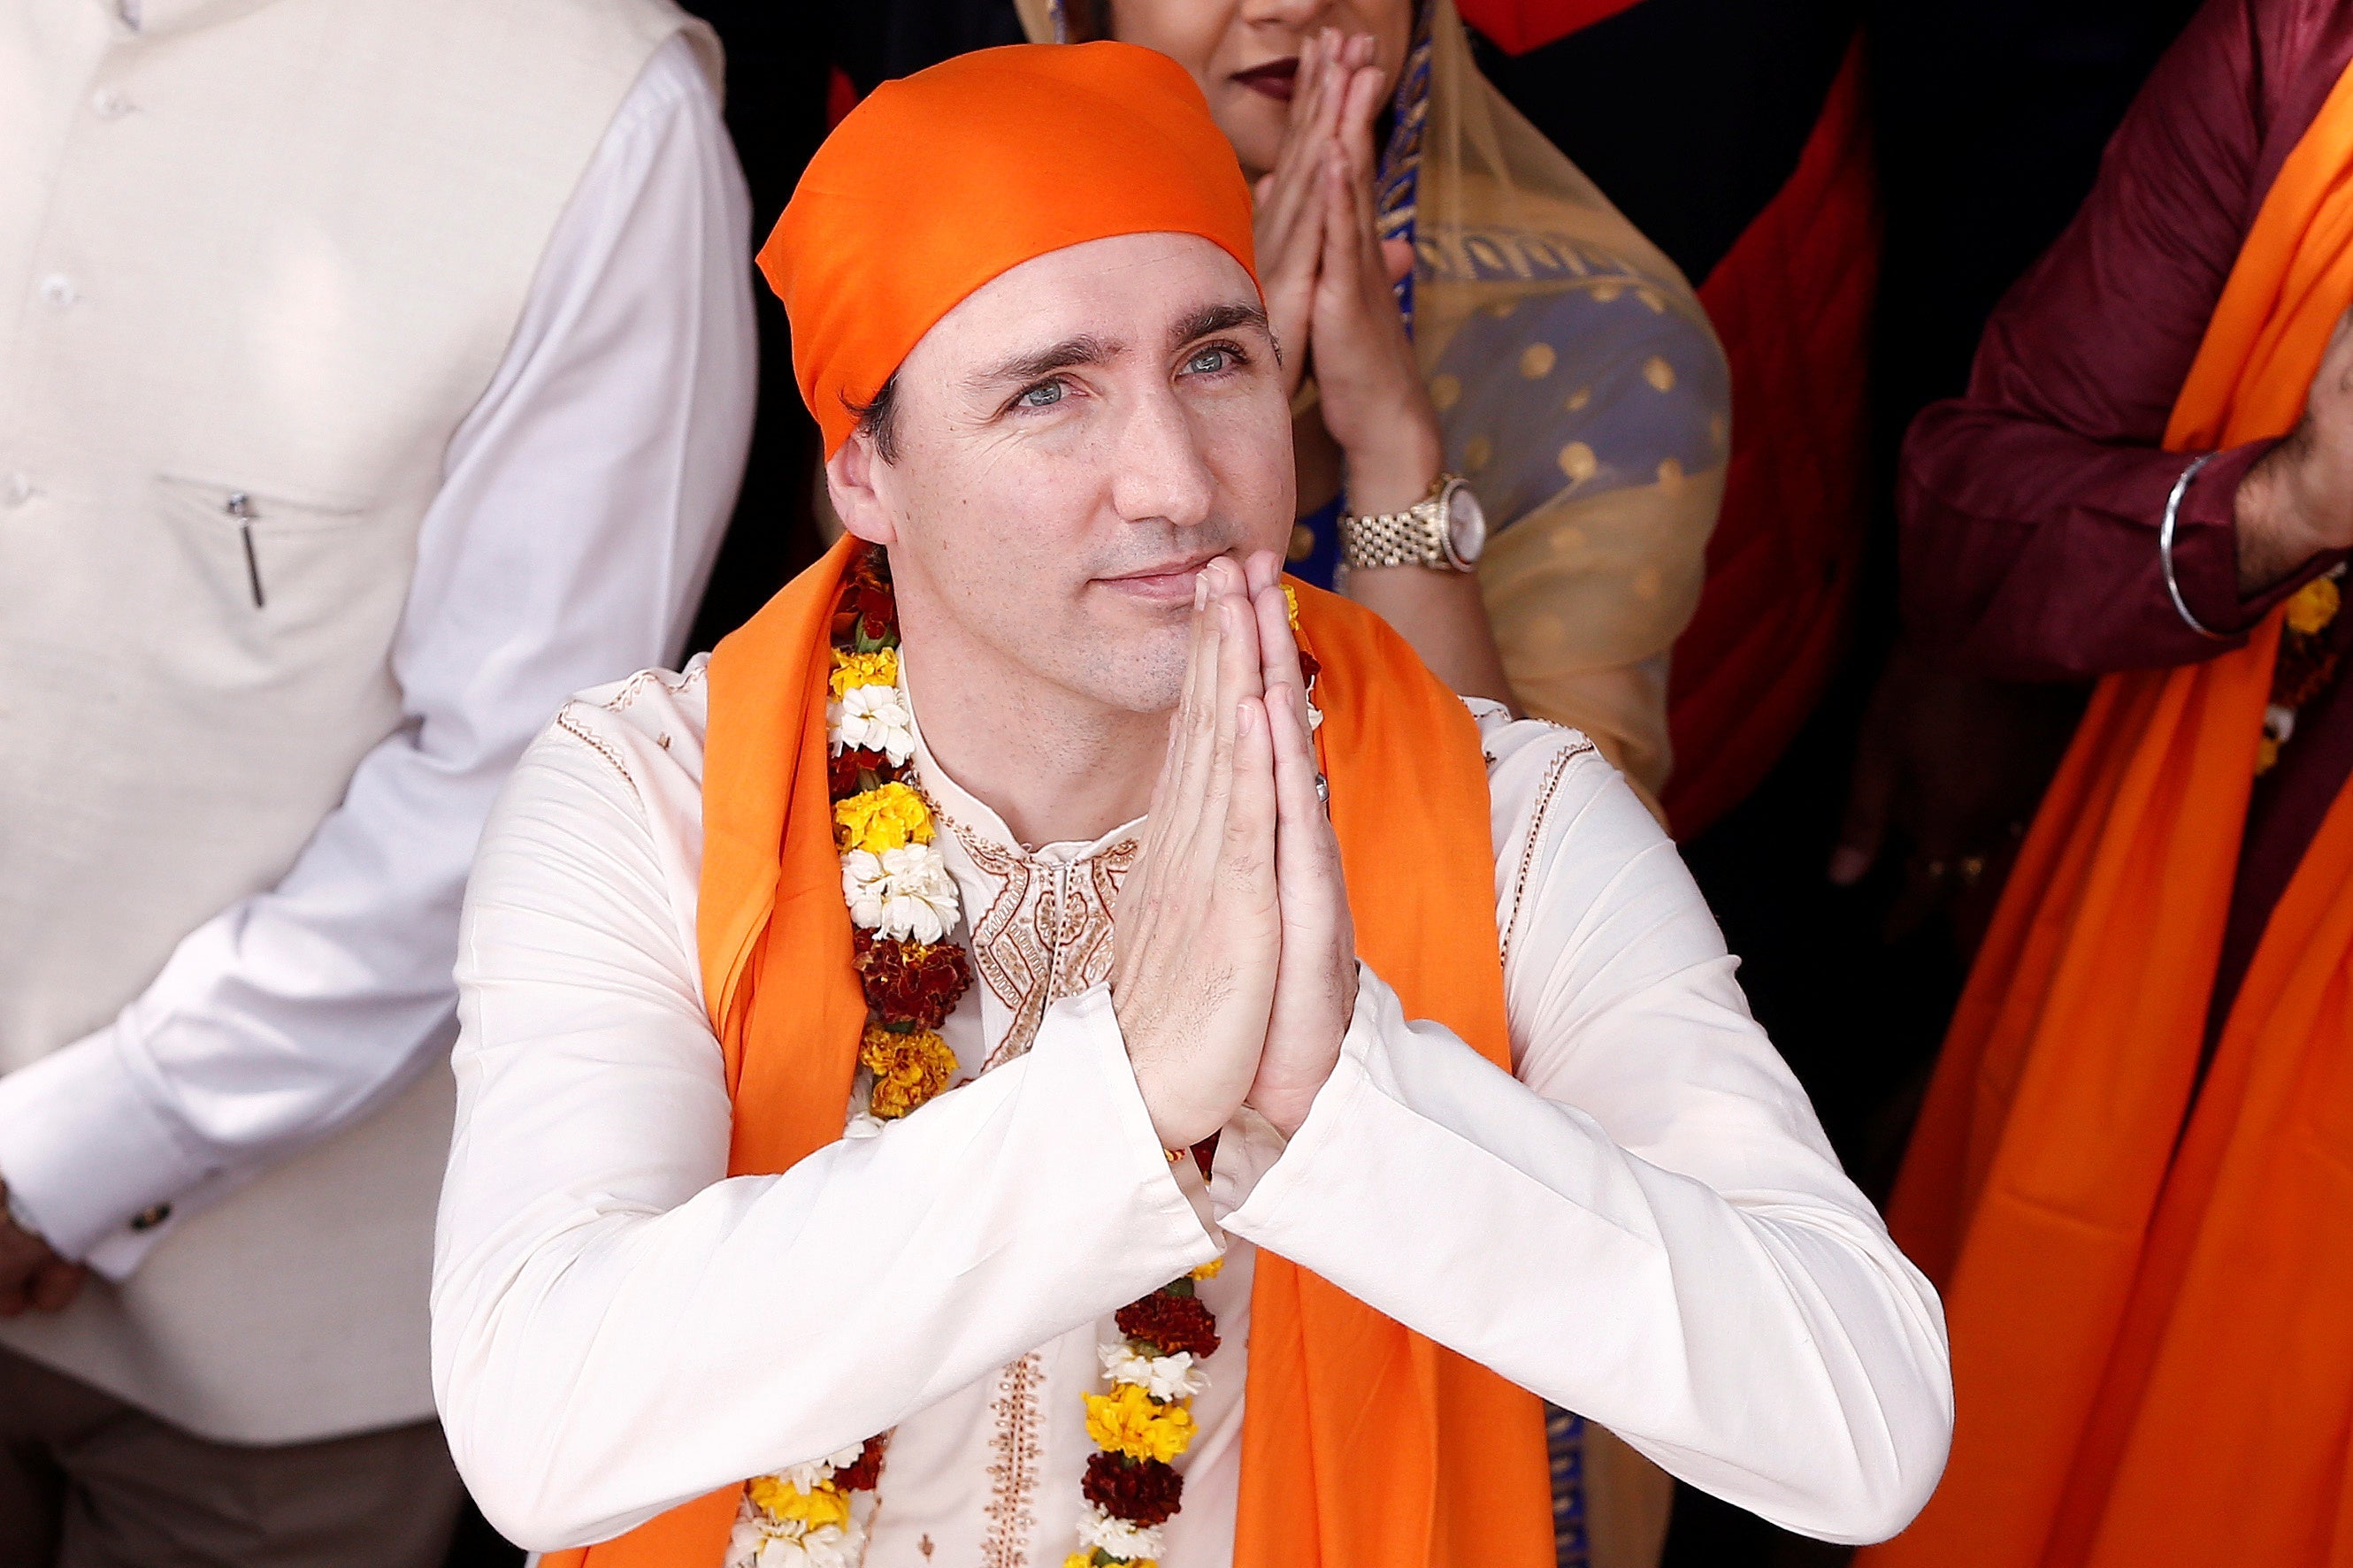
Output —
(1328, 279)
(1234, 966)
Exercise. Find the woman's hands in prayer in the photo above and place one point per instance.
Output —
(1329, 278)
(2297, 501)
(1233, 971)
(1329, 281)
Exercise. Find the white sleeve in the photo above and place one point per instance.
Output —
(582, 502)
(618, 1326)
(1646, 1225)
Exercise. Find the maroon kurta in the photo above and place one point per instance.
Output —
(2031, 505)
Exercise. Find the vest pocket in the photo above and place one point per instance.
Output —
(266, 561)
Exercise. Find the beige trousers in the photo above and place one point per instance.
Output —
(88, 1481)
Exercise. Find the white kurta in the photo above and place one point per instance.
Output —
(1642, 1223)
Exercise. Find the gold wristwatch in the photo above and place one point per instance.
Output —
(1445, 529)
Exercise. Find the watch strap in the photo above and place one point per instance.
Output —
(1414, 537)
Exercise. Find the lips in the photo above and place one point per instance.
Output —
(1274, 78)
(1172, 582)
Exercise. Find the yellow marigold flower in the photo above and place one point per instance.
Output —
(887, 817)
(1129, 1421)
(2311, 607)
(827, 1505)
(878, 668)
(2266, 755)
(1079, 1560)
(1211, 1269)
(1291, 604)
(908, 1068)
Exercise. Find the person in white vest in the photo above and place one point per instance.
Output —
(373, 374)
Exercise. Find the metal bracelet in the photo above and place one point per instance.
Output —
(2164, 550)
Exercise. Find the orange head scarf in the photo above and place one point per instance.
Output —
(1024, 150)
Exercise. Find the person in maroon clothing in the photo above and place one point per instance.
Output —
(2031, 505)
(2139, 1223)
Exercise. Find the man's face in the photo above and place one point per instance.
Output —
(1075, 441)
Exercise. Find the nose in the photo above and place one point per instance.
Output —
(1162, 474)
(1297, 16)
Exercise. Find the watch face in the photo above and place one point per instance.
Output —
(1466, 524)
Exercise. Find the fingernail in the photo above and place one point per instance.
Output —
(1200, 588)
(1848, 865)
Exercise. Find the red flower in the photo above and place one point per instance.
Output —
(862, 1472)
(843, 780)
(1171, 1324)
(868, 605)
(1142, 1491)
(1308, 670)
(910, 981)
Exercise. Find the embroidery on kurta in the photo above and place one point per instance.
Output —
(1047, 934)
(1013, 1472)
(1537, 820)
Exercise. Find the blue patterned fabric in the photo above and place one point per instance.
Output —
(1564, 1442)
(1518, 420)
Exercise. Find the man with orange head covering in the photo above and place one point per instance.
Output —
(1054, 1045)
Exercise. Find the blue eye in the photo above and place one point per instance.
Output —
(1209, 361)
(1045, 395)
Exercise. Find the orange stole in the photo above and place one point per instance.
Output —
(1365, 1444)
(2153, 1347)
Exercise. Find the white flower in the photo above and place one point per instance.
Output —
(1164, 1377)
(902, 892)
(826, 1546)
(807, 1477)
(1117, 1537)
(760, 1542)
(875, 717)
(1314, 717)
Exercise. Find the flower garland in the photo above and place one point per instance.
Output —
(2306, 664)
(1146, 1421)
(903, 903)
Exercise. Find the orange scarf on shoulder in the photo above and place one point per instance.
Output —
(1365, 1444)
(2153, 1325)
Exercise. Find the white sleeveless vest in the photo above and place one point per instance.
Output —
(275, 248)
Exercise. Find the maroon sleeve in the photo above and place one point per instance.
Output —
(2031, 505)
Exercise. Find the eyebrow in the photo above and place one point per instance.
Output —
(1210, 318)
(1084, 348)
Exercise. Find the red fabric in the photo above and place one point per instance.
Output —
(1516, 27)
(841, 97)
(1792, 304)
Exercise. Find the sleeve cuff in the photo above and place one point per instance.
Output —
(1181, 1208)
(2206, 547)
(84, 1151)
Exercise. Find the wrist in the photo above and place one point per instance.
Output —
(1393, 467)
(2269, 513)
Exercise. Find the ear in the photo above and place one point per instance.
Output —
(849, 480)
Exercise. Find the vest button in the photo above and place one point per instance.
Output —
(109, 104)
(57, 289)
